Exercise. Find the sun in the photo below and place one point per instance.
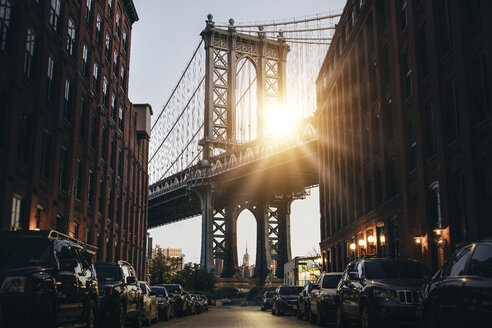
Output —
(282, 121)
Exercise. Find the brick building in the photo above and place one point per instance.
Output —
(74, 149)
(404, 112)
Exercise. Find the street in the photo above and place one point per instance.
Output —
(237, 317)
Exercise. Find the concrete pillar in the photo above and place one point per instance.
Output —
(284, 245)
(230, 254)
(263, 256)
(207, 253)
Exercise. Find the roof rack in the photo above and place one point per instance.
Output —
(53, 234)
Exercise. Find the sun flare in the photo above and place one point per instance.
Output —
(282, 121)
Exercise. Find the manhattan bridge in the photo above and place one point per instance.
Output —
(238, 132)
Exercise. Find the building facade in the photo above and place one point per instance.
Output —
(302, 270)
(74, 149)
(404, 112)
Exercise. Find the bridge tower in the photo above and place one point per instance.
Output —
(224, 49)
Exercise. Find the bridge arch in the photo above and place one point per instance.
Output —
(246, 99)
(246, 238)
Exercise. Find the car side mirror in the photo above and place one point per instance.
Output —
(130, 280)
(354, 275)
(68, 264)
(315, 287)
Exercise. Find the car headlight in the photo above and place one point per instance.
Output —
(14, 284)
(384, 293)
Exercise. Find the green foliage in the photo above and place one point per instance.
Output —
(163, 269)
(195, 278)
(225, 292)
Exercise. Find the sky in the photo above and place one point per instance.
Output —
(163, 41)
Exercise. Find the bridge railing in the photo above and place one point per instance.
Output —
(240, 155)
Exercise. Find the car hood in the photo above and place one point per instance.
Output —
(108, 284)
(398, 283)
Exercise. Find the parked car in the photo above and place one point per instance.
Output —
(460, 293)
(303, 306)
(165, 303)
(150, 314)
(204, 301)
(120, 296)
(266, 302)
(374, 291)
(178, 295)
(200, 306)
(47, 279)
(191, 304)
(322, 301)
(285, 299)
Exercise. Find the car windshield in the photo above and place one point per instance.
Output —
(24, 252)
(173, 289)
(159, 291)
(294, 290)
(268, 294)
(108, 272)
(396, 269)
(331, 281)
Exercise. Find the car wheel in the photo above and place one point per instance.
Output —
(119, 321)
(299, 314)
(319, 318)
(138, 321)
(340, 317)
(90, 319)
(307, 312)
(365, 317)
(262, 308)
(430, 318)
(312, 317)
(46, 313)
(167, 316)
(273, 310)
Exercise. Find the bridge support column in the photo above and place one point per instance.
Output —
(230, 252)
(284, 249)
(207, 253)
(263, 256)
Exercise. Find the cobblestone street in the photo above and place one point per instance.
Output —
(236, 317)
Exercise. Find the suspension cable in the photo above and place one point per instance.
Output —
(176, 122)
(185, 147)
(177, 85)
(198, 154)
(295, 21)
(292, 31)
(306, 42)
(307, 39)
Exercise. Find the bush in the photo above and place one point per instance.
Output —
(225, 292)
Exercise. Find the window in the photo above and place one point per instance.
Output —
(75, 230)
(481, 262)
(412, 146)
(105, 92)
(88, 11)
(424, 51)
(50, 84)
(104, 146)
(88, 240)
(407, 71)
(444, 26)
(435, 206)
(90, 189)
(102, 196)
(63, 173)
(118, 23)
(123, 82)
(45, 155)
(113, 106)
(388, 123)
(453, 125)
(98, 29)
(480, 88)
(78, 191)
(108, 48)
(55, 14)
(458, 226)
(120, 163)
(82, 118)
(29, 56)
(94, 132)
(118, 206)
(124, 41)
(24, 138)
(110, 205)
(120, 119)
(430, 132)
(115, 62)
(5, 10)
(457, 265)
(95, 78)
(71, 37)
(85, 60)
(16, 215)
(113, 154)
(110, 8)
(67, 104)
(403, 14)
(391, 177)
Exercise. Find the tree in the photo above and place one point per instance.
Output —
(163, 269)
(195, 278)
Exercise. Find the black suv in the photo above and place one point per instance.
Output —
(285, 299)
(121, 297)
(266, 302)
(46, 279)
(374, 291)
(179, 296)
(460, 293)
(303, 308)
(322, 299)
